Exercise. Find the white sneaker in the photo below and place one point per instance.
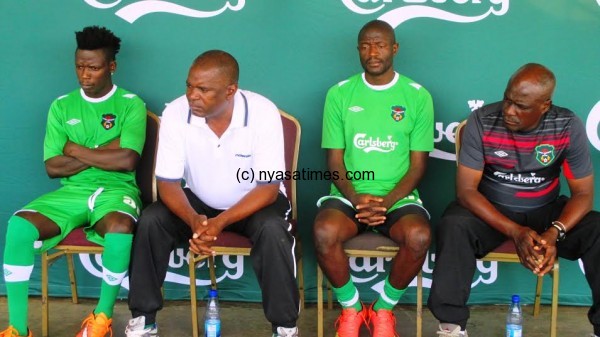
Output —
(286, 332)
(451, 330)
(135, 328)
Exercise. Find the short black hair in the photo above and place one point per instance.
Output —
(94, 38)
(378, 24)
(227, 64)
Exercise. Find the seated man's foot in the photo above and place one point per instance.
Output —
(383, 323)
(96, 326)
(136, 327)
(12, 332)
(286, 332)
(451, 330)
(349, 322)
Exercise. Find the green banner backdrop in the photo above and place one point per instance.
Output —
(463, 51)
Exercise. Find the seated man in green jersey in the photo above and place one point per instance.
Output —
(94, 138)
(377, 121)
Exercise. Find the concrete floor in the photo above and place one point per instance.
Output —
(247, 319)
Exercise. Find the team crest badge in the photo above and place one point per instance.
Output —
(544, 154)
(108, 121)
(398, 112)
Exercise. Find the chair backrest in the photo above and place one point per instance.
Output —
(291, 140)
(458, 138)
(145, 171)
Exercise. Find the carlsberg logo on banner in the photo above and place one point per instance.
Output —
(136, 10)
(404, 10)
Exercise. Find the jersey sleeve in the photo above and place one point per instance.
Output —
(56, 136)
(170, 160)
(333, 125)
(471, 150)
(133, 132)
(421, 137)
(578, 163)
(269, 150)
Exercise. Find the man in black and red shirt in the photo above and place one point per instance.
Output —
(508, 187)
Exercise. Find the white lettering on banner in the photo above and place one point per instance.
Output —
(592, 123)
(136, 10)
(397, 16)
(449, 133)
(488, 271)
(232, 264)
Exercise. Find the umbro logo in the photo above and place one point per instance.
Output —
(73, 121)
(111, 278)
(7, 272)
(356, 108)
(501, 154)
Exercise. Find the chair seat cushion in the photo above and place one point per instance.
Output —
(230, 239)
(371, 241)
(77, 238)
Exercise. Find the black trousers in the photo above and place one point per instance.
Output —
(462, 238)
(159, 231)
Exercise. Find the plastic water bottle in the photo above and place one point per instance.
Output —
(212, 319)
(514, 318)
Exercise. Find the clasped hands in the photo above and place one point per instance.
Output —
(370, 209)
(537, 252)
(204, 233)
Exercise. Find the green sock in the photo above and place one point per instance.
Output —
(18, 265)
(390, 296)
(115, 261)
(347, 295)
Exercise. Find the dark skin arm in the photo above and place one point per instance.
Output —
(371, 209)
(259, 197)
(525, 239)
(580, 203)
(76, 158)
(205, 230)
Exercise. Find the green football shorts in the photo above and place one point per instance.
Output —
(71, 207)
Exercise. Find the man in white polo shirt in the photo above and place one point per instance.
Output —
(207, 137)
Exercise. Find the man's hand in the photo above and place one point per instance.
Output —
(200, 241)
(205, 232)
(547, 247)
(528, 244)
(370, 209)
(70, 149)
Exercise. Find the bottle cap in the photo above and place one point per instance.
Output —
(212, 293)
(516, 298)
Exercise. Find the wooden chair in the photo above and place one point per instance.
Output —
(76, 242)
(229, 243)
(507, 252)
(367, 244)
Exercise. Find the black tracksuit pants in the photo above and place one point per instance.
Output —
(159, 231)
(462, 238)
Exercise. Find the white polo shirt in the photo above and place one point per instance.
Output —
(213, 167)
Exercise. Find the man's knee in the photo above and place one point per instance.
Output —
(326, 234)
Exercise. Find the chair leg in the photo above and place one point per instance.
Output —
(319, 302)
(301, 283)
(72, 279)
(212, 272)
(329, 295)
(553, 321)
(45, 311)
(193, 298)
(419, 304)
(538, 296)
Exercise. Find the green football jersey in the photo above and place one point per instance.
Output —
(92, 123)
(378, 126)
